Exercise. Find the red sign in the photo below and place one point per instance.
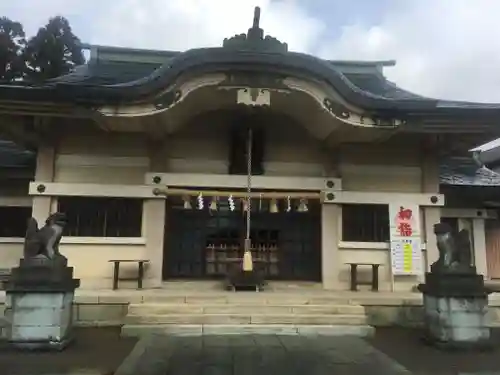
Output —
(404, 222)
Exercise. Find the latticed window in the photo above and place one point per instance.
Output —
(102, 217)
(13, 221)
(365, 222)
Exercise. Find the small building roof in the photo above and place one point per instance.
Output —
(13, 156)
(465, 171)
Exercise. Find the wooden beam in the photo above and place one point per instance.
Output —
(238, 194)
(40, 188)
(375, 197)
(223, 181)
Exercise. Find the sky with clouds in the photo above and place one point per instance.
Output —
(447, 49)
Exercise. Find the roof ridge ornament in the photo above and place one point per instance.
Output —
(254, 40)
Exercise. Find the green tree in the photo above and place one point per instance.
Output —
(12, 43)
(53, 51)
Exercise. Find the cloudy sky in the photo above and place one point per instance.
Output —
(448, 49)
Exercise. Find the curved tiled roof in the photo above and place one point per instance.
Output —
(122, 72)
(107, 73)
(116, 82)
(104, 82)
(465, 171)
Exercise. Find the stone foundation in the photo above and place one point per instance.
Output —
(457, 319)
(382, 311)
(38, 320)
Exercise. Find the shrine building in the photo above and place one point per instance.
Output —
(148, 153)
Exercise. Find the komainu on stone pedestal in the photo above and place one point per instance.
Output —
(40, 291)
(455, 297)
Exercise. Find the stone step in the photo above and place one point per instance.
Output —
(262, 319)
(238, 329)
(164, 308)
(249, 298)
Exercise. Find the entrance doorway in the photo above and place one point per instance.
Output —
(201, 244)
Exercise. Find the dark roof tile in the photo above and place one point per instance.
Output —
(465, 171)
(13, 156)
(117, 72)
(107, 73)
(378, 85)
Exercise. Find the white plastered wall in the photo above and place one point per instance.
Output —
(100, 158)
(200, 148)
(385, 168)
(126, 158)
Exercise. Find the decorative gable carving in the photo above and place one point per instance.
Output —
(254, 40)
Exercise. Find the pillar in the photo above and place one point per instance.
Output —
(431, 215)
(330, 267)
(154, 226)
(45, 166)
(479, 245)
(154, 217)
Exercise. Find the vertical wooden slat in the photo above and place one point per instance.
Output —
(493, 248)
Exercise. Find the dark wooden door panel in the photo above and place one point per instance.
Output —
(202, 244)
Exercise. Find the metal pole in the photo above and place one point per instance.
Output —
(249, 188)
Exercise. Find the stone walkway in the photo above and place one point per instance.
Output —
(258, 354)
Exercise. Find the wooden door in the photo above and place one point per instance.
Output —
(201, 244)
(492, 229)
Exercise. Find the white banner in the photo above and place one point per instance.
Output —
(406, 253)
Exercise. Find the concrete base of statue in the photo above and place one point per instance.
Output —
(455, 311)
(39, 305)
(38, 320)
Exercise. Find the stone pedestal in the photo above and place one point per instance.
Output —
(455, 310)
(39, 305)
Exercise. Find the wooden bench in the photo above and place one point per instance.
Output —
(354, 275)
(116, 271)
(4, 277)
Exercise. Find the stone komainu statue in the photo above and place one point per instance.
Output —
(454, 250)
(44, 242)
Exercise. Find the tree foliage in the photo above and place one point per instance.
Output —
(53, 51)
(12, 44)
